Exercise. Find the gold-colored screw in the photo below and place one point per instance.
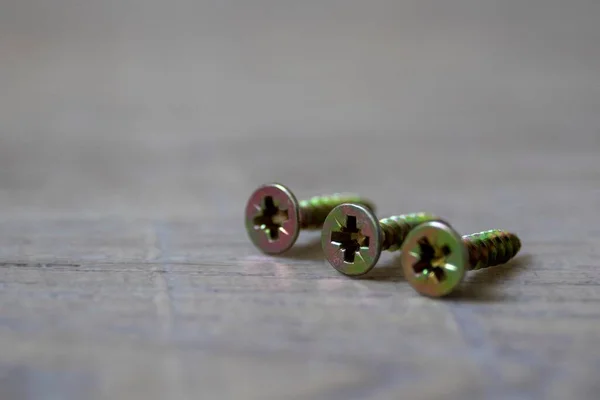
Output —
(353, 238)
(435, 258)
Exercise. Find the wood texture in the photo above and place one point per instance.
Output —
(132, 133)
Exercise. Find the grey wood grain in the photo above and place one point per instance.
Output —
(133, 131)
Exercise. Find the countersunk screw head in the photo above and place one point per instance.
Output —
(434, 258)
(273, 218)
(352, 239)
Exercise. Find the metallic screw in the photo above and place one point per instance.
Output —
(274, 217)
(435, 257)
(353, 239)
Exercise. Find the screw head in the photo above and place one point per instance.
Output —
(434, 258)
(272, 218)
(351, 239)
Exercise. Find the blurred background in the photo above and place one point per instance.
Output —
(130, 107)
(132, 132)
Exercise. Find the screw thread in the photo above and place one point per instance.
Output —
(396, 228)
(314, 211)
(490, 248)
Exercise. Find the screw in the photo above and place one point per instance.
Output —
(435, 257)
(274, 217)
(353, 239)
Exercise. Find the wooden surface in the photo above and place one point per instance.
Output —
(132, 133)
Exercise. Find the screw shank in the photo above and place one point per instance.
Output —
(396, 228)
(314, 210)
(491, 248)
